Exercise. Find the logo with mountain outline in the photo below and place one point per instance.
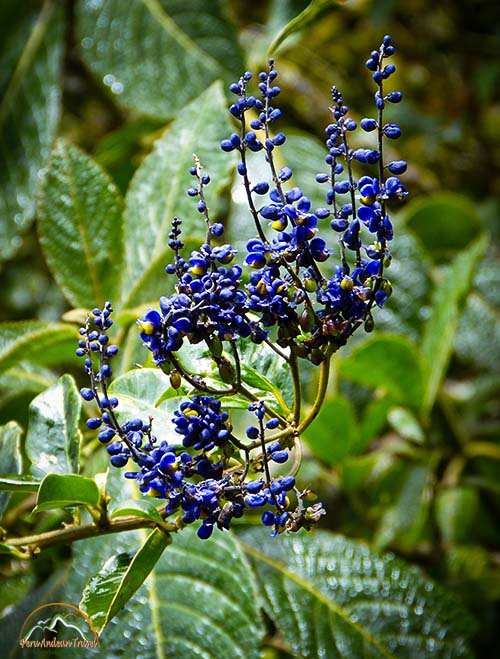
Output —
(58, 625)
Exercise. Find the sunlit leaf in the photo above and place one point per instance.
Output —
(334, 434)
(263, 369)
(445, 223)
(405, 424)
(80, 227)
(144, 508)
(15, 483)
(456, 510)
(26, 377)
(53, 438)
(158, 193)
(308, 16)
(157, 55)
(140, 393)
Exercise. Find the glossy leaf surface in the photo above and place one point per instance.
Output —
(334, 598)
(157, 55)
(61, 490)
(118, 580)
(200, 599)
(53, 438)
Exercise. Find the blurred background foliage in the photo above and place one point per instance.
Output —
(406, 451)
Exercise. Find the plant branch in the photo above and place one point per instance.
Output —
(71, 534)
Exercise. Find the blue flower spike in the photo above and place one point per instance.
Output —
(275, 292)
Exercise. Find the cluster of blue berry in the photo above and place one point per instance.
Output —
(200, 477)
(286, 302)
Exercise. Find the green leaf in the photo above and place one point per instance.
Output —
(200, 599)
(306, 18)
(53, 438)
(80, 227)
(144, 508)
(405, 519)
(334, 433)
(26, 377)
(10, 456)
(42, 343)
(388, 362)
(333, 597)
(456, 510)
(409, 274)
(13, 590)
(29, 114)
(439, 330)
(444, 222)
(269, 374)
(16, 483)
(141, 394)
(374, 420)
(156, 55)
(59, 491)
(361, 472)
(157, 193)
(119, 579)
(306, 156)
(477, 339)
(405, 424)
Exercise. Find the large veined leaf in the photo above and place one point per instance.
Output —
(306, 156)
(29, 113)
(478, 337)
(200, 600)
(334, 598)
(80, 227)
(156, 55)
(36, 341)
(53, 438)
(409, 274)
(439, 330)
(158, 193)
